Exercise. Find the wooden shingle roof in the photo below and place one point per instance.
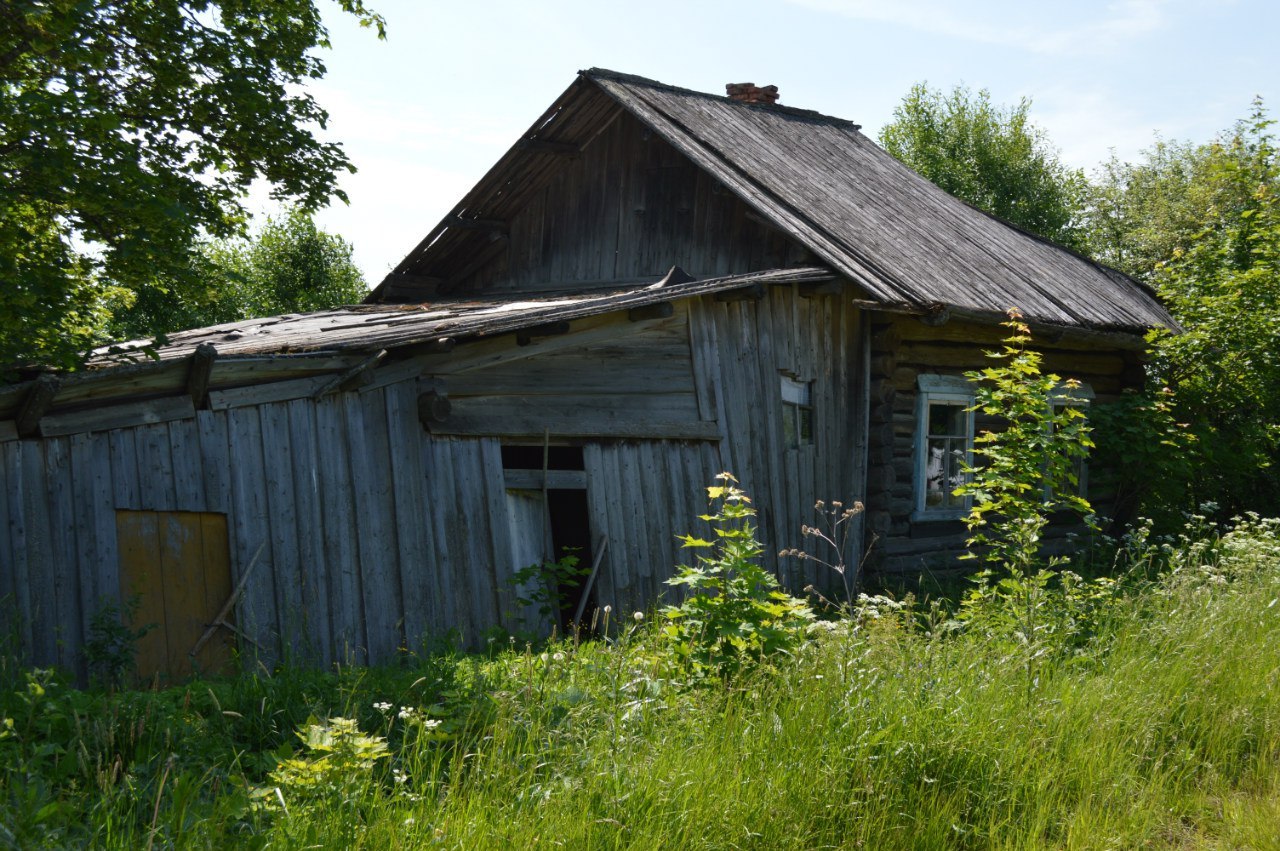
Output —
(904, 241)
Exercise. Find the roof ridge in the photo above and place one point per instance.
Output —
(797, 112)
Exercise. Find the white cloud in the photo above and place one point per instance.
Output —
(1059, 28)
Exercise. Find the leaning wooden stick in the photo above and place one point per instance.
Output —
(591, 580)
(221, 619)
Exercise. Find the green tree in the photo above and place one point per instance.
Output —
(129, 128)
(1201, 224)
(989, 155)
(1223, 286)
(1141, 215)
(289, 266)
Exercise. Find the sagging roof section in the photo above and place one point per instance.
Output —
(370, 327)
(906, 242)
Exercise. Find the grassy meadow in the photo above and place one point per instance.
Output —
(1137, 710)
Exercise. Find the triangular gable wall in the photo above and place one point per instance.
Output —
(629, 207)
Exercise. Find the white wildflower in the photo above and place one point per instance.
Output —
(638, 616)
(382, 707)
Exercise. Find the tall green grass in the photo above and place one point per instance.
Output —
(892, 728)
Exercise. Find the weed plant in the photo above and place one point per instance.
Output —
(1154, 724)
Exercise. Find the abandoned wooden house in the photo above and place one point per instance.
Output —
(531, 377)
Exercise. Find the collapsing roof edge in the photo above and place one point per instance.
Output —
(371, 327)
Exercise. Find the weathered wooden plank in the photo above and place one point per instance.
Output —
(146, 412)
(251, 527)
(234, 371)
(60, 492)
(464, 425)
(101, 507)
(621, 542)
(375, 513)
(8, 557)
(555, 479)
(473, 499)
(23, 539)
(416, 572)
(8, 430)
(188, 467)
(312, 564)
(182, 588)
(501, 559)
(281, 505)
(155, 468)
(447, 520)
(580, 372)
(124, 468)
(85, 517)
(215, 462)
(704, 362)
(586, 332)
(215, 557)
(598, 520)
(339, 532)
(142, 584)
(258, 394)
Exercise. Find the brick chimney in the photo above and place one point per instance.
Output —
(751, 93)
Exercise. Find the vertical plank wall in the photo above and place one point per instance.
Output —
(370, 535)
(644, 493)
(742, 348)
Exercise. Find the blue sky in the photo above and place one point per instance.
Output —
(426, 112)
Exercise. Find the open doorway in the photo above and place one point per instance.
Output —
(548, 518)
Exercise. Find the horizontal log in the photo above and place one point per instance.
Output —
(885, 338)
(879, 522)
(881, 477)
(8, 430)
(259, 394)
(434, 408)
(37, 401)
(883, 365)
(119, 416)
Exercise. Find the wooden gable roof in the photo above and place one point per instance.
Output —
(905, 242)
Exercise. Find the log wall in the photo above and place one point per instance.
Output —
(903, 348)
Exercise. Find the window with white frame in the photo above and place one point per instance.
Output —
(797, 412)
(944, 445)
(1078, 396)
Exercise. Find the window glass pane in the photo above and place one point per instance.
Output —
(805, 425)
(789, 425)
(948, 418)
(944, 472)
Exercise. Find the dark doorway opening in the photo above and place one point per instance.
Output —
(571, 535)
(530, 457)
(564, 527)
